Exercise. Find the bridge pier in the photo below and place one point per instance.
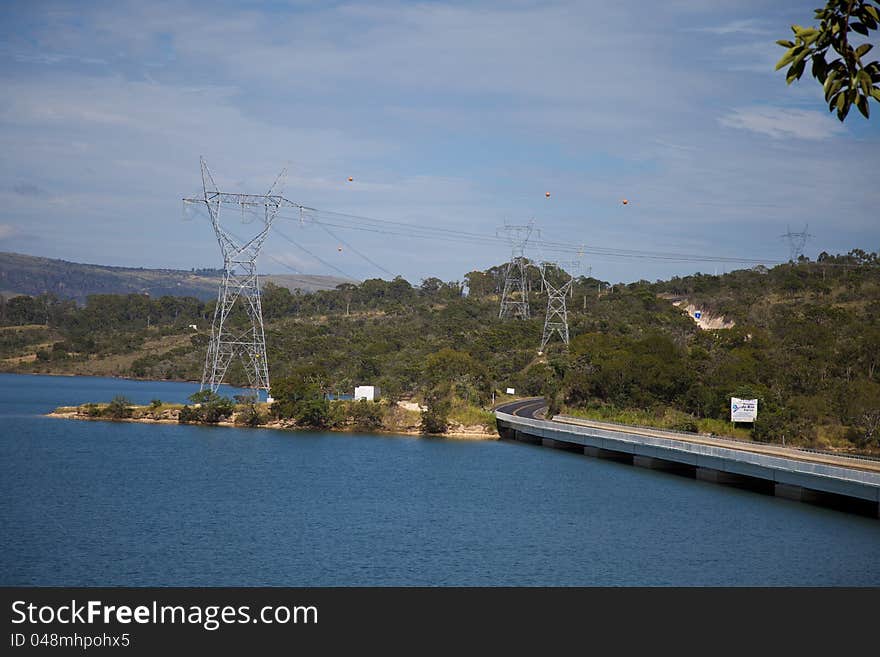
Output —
(526, 438)
(662, 464)
(797, 493)
(735, 480)
(718, 476)
(611, 455)
(559, 444)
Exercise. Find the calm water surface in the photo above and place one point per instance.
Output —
(95, 503)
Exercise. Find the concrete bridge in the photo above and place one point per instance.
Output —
(846, 483)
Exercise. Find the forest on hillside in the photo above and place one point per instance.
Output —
(805, 342)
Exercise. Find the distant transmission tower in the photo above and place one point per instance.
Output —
(240, 281)
(796, 243)
(515, 294)
(556, 321)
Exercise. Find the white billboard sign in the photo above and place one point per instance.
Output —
(743, 410)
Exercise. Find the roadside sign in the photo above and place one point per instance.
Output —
(743, 410)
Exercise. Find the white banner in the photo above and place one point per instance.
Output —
(743, 410)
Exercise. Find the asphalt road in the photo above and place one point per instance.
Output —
(524, 407)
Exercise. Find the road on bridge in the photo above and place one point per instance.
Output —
(533, 408)
(524, 408)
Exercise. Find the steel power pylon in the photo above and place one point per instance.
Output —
(240, 281)
(515, 293)
(796, 243)
(556, 321)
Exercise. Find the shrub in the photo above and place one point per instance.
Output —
(312, 413)
(435, 417)
(366, 414)
(189, 414)
(249, 416)
(92, 410)
(219, 409)
(118, 408)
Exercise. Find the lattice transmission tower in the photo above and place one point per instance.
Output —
(240, 282)
(796, 243)
(515, 293)
(556, 321)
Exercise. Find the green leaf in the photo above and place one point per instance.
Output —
(873, 11)
(876, 93)
(864, 81)
(785, 44)
(863, 49)
(819, 68)
(866, 17)
(862, 104)
(786, 59)
(795, 72)
(858, 27)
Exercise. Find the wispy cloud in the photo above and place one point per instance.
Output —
(742, 26)
(50, 58)
(783, 123)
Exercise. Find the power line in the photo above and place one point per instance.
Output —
(387, 227)
(316, 257)
(363, 256)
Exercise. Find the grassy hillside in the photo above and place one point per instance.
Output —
(805, 341)
(30, 275)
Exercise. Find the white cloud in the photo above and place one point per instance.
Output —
(783, 123)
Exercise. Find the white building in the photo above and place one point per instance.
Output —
(370, 393)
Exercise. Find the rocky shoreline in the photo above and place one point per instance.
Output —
(144, 415)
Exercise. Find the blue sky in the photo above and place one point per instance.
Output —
(446, 114)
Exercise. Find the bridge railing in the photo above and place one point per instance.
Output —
(571, 419)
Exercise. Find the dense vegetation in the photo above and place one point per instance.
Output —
(806, 344)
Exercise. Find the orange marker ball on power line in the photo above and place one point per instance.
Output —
(350, 179)
(625, 201)
(547, 194)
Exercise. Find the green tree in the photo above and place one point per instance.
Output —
(847, 80)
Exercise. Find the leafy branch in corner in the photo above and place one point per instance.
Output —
(846, 79)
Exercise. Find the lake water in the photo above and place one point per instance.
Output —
(99, 503)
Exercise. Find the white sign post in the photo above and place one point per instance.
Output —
(743, 410)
